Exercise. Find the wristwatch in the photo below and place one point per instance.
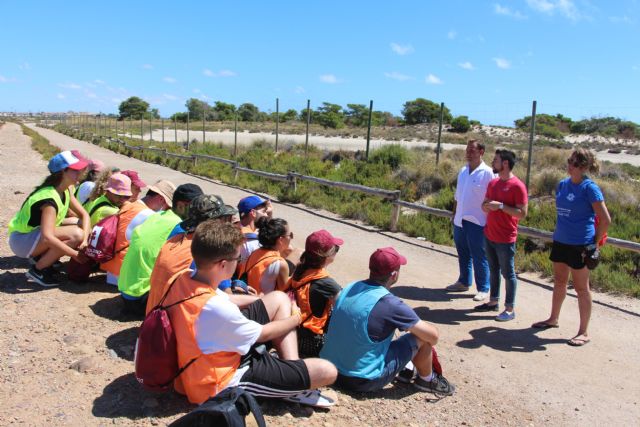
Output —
(501, 206)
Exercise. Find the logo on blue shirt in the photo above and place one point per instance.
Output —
(571, 197)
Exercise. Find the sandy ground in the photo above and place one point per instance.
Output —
(339, 143)
(66, 357)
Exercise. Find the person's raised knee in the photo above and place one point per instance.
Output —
(76, 237)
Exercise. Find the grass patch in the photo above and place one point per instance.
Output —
(40, 143)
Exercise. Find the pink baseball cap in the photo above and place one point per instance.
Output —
(384, 261)
(321, 242)
(135, 179)
(119, 184)
(96, 165)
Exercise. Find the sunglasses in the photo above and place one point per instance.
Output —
(573, 163)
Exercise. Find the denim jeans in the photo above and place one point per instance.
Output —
(469, 240)
(500, 257)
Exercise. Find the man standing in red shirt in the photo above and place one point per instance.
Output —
(505, 203)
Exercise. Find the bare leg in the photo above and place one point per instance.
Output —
(321, 372)
(423, 358)
(278, 306)
(581, 285)
(71, 235)
(560, 278)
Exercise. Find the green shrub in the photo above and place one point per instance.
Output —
(460, 124)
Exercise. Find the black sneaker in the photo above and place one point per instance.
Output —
(45, 277)
(56, 265)
(438, 385)
(406, 375)
(486, 307)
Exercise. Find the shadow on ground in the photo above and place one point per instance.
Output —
(415, 293)
(519, 340)
(451, 316)
(17, 283)
(124, 342)
(125, 397)
(111, 308)
(11, 262)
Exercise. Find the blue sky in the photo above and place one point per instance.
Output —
(484, 59)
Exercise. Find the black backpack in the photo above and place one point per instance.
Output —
(227, 408)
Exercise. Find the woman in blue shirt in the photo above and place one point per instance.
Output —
(578, 202)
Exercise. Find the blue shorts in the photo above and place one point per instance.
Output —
(400, 352)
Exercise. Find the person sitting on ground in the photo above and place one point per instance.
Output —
(137, 184)
(251, 210)
(314, 290)
(96, 167)
(131, 215)
(146, 241)
(360, 337)
(36, 231)
(175, 254)
(221, 332)
(100, 184)
(117, 192)
(266, 269)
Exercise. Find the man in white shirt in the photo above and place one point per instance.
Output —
(469, 220)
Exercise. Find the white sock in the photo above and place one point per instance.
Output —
(428, 377)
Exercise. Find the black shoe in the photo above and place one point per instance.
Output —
(45, 277)
(406, 375)
(438, 385)
(486, 307)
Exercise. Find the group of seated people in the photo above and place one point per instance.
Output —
(251, 312)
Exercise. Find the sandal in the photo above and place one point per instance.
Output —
(311, 398)
(544, 325)
(578, 342)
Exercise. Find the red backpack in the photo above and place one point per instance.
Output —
(102, 241)
(156, 353)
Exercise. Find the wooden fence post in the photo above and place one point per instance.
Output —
(395, 213)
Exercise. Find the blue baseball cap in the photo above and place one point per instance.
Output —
(67, 159)
(248, 203)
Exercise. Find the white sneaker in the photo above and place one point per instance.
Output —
(311, 398)
(481, 296)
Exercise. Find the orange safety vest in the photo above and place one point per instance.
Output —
(302, 289)
(126, 215)
(209, 373)
(256, 264)
(174, 256)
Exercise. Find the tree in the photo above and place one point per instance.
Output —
(179, 117)
(197, 108)
(248, 112)
(288, 115)
(154, 113)
(330, 116)
(223, 111)
(356, 115)
(133, 108)
(460, 124)
(422, 110)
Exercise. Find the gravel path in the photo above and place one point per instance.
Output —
(65, 358)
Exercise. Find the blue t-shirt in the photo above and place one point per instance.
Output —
(390, 313)
(575, 223)
(176, 230)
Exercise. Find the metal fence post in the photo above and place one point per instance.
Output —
(369, 128)
(188, 142)
(235, 139)
(306, 139)
(277, 121)
(531, 136)
(141, 129)
(162, 123)
(151, 129)
(175, 129)
(204, 138)
(439, 132)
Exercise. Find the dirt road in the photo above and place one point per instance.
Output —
(65, 357)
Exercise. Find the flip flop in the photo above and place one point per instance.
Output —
(578, 342)
(311, 398)
(544, 325)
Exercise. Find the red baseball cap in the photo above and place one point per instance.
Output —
(321, 242)
(135, 179)
(384, 261)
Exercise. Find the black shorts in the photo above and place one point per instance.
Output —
(572, 255)
(269, 376)
(257, 312)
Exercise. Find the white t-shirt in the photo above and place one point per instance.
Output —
(247, 249)
(470, 192)
(222, 327)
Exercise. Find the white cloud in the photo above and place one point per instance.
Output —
(621, 20)
(504, 10)
(565, 8)
(433, 80)
(635, 67)
(3, 79)
(299, 90)
(60, 96)
(222, 73)
(147, 66)
(452, 34)
(98, 81)
(169, 97)
(73, 86)
(329, 78)
(466, 65)
(25, 66)
(394, 75)
(401, 49)
(90, 94)
(502, 63)
(169, 80)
